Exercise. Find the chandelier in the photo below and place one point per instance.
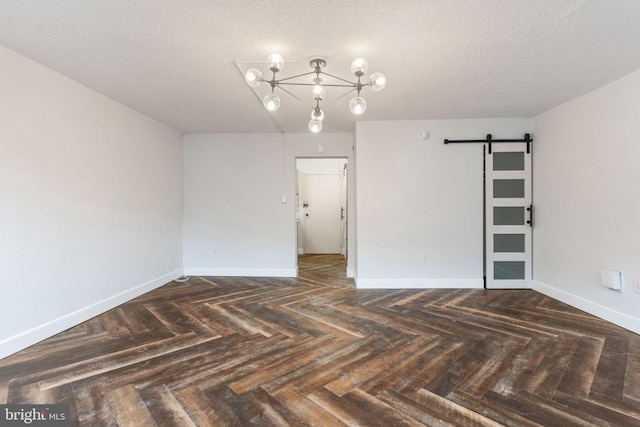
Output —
(357, 104)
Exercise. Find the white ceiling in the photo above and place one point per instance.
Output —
(175, 60)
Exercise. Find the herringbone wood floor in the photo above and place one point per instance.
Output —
(314, 351)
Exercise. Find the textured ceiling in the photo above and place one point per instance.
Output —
(179, 61)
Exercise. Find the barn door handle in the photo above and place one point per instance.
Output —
(341, 214)
(530, 210)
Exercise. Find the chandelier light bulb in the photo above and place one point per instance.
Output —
(377, 82)
(275, 62)
(315, 125)
(317, 113)
(319, 92)
(357, 105)
(359, 66)
(271, 101)
(253, 77)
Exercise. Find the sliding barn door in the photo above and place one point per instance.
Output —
(509, 216)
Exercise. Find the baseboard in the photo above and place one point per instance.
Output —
(419, 283)
(34, 335)
(617, 318)
(244, 272)
(350, 273)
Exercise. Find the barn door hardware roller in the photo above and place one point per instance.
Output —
(489, 140)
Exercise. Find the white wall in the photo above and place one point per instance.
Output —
(416, 197)
(234, 220)
(587, 196)
(90, 203)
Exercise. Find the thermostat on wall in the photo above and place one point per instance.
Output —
(611, 279)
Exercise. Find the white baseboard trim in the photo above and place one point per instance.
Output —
(419, 283)
(245, 272)
(350, 273)
(617, 318)
(36, 334)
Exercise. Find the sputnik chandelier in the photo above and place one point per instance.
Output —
(357, 104)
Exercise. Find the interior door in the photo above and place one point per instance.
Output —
(509, 216)
(321, 213)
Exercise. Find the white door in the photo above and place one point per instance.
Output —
(321, 213)
(509, 216)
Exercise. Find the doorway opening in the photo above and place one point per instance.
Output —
(321, 207)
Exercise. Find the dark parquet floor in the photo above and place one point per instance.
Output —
(314, 351)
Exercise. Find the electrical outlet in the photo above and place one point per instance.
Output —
(636, 286)
(424, 258)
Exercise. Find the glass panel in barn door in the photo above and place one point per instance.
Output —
(508, 216)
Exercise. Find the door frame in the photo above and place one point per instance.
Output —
(348, 208)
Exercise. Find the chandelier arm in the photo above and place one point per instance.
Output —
(338, 78)
(296, 97)
(340, 97)
(353, 85)
(295, 77)
(313, 84)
